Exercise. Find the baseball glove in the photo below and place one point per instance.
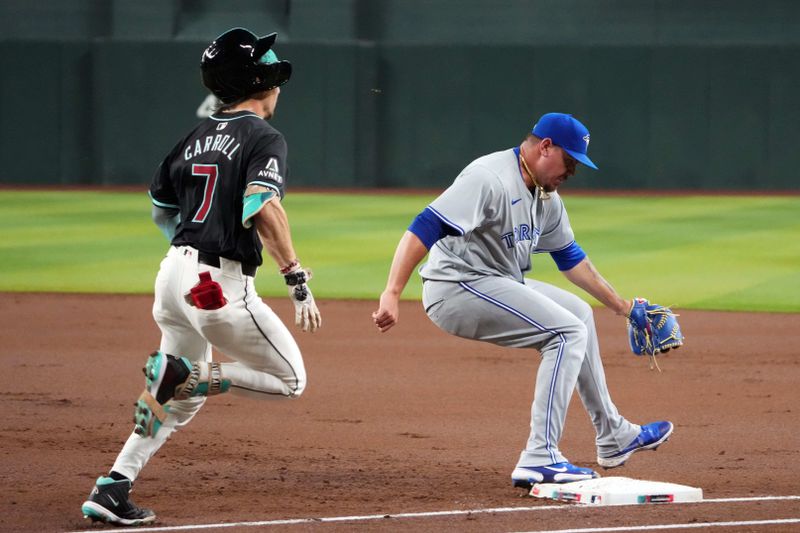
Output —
(652, 329)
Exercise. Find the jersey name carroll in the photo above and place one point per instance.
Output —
(225, 144)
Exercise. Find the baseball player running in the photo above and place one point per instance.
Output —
(217, 198)
(481, 233)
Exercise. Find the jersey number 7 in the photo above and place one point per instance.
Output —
(210, 172)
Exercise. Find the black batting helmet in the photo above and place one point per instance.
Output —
(238, 64)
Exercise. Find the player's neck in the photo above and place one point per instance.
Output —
(528, 176)
(251, 105)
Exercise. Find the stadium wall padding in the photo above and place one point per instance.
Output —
(404, 93)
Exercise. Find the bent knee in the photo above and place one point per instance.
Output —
(576, 334)
(581, 330)
(184, 410)
(584, 312)
(578, 307)
(297, 388)
(581, 336)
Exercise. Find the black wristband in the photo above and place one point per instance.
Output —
(298, 277)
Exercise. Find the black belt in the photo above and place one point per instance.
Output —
(213, 260)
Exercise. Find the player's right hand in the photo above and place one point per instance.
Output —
(306, 312)
(388, 312)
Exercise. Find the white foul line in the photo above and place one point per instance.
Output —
(358, 518)
(674, 526)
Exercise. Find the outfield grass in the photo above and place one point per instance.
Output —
(701, 252)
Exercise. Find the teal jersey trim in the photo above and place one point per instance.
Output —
(253, 204)
(266, 184)
(228, 119)
(162, 204)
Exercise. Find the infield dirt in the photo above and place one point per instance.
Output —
(412, 420)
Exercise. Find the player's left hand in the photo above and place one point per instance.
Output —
(388, 312)
(306, 313)
(652, 328)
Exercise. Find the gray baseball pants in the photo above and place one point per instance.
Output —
(558, 324)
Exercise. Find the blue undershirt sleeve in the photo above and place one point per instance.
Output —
(568, 257)
(430, 228)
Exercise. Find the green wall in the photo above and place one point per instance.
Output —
(403, 93)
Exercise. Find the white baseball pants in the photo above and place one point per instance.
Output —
(267, 361)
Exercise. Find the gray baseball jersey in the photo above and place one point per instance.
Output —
(475, 288)
(500, 222)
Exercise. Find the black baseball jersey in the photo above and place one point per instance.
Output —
(206, 174)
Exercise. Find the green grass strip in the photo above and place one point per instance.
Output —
(702, 252)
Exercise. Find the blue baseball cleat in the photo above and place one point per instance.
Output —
(650, 437)
(526, 476)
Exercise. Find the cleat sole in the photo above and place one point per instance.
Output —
(97, 513)
(609, 462)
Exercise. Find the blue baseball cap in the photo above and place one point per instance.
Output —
(566, 132)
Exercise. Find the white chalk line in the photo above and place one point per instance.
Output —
(458, 512)
(674, 526)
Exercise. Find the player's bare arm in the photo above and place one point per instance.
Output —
(410, 251)
(586, 276)
(272, 225)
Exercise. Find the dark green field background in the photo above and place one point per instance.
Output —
(678, 94)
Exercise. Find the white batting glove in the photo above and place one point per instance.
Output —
(306, 313)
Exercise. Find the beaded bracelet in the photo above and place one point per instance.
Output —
(291, 266)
